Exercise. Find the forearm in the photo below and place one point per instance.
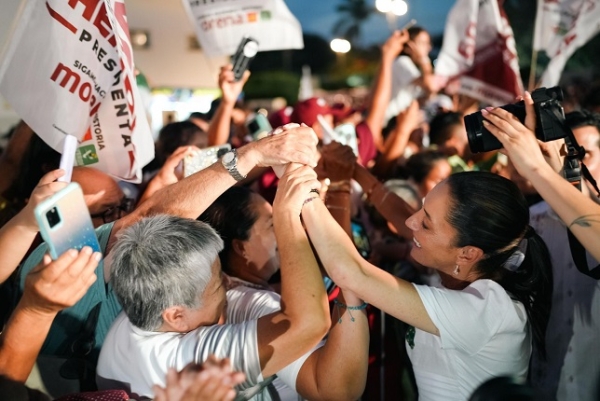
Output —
(337, 201)
(578, 211)
(220, 125)
(302, 286)
(191, 196)
(15, 240)
(347, 348)
(391, 206)
(380, 98)
(20, 344)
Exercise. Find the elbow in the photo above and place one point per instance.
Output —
(314, 326)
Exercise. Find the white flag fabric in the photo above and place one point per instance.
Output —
(562, 27)
(220, 25)
(68, 69)
(479, 55)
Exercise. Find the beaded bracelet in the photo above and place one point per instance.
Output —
(312, 191)
(338, 305)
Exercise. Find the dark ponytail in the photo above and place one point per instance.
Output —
(490, 213)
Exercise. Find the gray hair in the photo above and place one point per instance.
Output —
(160, 262)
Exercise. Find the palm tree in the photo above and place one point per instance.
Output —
(353, 14)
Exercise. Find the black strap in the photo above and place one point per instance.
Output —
(573, 169)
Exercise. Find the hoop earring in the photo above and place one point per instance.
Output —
(456, 270)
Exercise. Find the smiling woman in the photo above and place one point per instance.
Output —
(496, 275)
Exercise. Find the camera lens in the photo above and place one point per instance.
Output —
(480, 139)
(52, 217)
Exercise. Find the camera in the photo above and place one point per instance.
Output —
(53, 217)
(549, 126)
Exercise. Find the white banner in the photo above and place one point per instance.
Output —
(221, 24)
(68, 69)
(479, 52)
(562, 27)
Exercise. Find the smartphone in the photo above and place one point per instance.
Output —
(259, 126)
(409, 24)
(361, 239)
(205, 157)
(65, 221)
(244, 54)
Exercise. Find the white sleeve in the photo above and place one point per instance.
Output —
(467, 319)
(289, 374)
(404, 72)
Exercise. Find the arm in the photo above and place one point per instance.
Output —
(347, 343)
(393, 208)
(578, 211)
(218, 131)
(382, 90)
(167, 174)
(350, 271)
(18, 234)
(49, 288)
(303, 320)
(192, 195)
(395, 143)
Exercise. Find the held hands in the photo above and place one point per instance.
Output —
(291, 143)
(211, 381)
(230, 88)
(337, 162)
(46, 187)
(297, 185)
(56, 285)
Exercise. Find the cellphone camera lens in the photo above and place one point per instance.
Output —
(53, 217)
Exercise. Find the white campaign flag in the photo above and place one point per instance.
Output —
(562, 27)
(479, 53)
(68, 69)
(221, 24)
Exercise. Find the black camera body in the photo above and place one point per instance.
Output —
(550, 118)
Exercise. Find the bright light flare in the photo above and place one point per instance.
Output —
(399, 7)
(340, 45)
(384, 6)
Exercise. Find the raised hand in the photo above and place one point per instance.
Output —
(46, 187)
(211, 381)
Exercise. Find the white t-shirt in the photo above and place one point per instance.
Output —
(483, 334)
(404, 72)
(134, 360)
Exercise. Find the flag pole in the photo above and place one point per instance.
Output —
(533, 68)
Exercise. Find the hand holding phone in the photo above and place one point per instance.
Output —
(65, 222)
(244, 54)
(259, 126)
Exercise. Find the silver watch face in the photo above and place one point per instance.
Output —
(228, 158)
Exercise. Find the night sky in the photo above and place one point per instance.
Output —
(319, 16)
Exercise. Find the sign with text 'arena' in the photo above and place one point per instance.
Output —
(68, 69)
(221, 24)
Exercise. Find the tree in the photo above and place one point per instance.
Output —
(353, 14)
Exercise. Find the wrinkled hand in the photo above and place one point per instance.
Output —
(337, 162)
(169, 172)
(394, 45)
(294, 188)
(56, 285)
(47, 186)
(211, 381)
(231, 88)
(519, 141)
(291, 143)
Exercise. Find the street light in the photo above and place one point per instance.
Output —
(340, 45)
(392, 10)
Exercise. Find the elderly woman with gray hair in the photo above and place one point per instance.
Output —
(167, 276)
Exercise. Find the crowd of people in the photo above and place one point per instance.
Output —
(259, 277)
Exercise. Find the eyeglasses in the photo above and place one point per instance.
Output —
(116, 212)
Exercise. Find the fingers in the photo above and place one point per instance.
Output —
(530, 117)
(502, 119)
(51, 176)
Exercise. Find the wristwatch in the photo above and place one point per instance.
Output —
(229, 161)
